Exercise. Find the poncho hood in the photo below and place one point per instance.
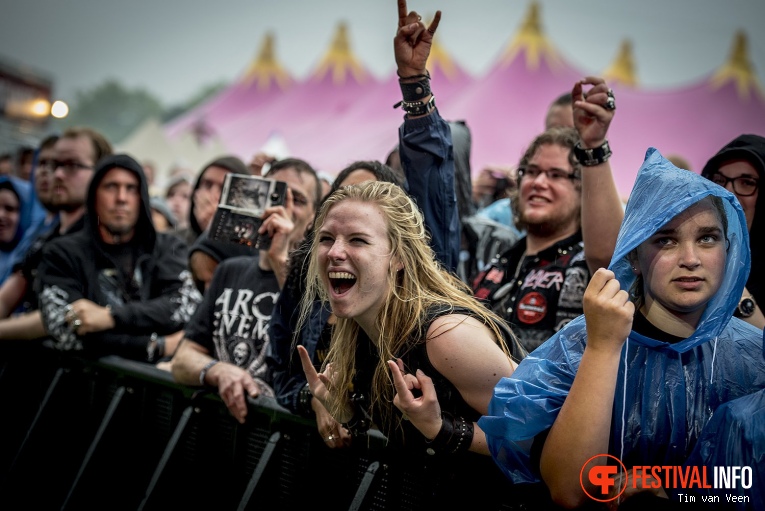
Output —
(661, 192)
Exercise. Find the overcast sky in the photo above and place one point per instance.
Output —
(174, 47)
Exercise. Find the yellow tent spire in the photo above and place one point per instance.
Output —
(265, 68)
(532, 41)
(622, 70)
(340, 60)
(738, 69)
(440, 59)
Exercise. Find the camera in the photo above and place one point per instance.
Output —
(243, 202)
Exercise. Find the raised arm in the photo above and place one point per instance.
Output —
(425, 141)
(602, 209)
(583, 425)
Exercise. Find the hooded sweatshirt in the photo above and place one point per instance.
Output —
(157, 298)
(31, 215)
(665, 392)
(230, 163)
(750, 148)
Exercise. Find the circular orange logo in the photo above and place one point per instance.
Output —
(603, 477)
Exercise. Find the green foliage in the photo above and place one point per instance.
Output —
(113, 109)
(116, 111)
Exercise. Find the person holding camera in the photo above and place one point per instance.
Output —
(226, 341)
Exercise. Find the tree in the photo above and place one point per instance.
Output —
(113, 110)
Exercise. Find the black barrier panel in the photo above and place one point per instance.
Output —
(117, 434)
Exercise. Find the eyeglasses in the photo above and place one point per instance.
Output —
(70, 167)
(742, 185)
(553, 175)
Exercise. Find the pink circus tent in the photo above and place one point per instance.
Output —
(341, 113)
(263, 82)
(505, 109)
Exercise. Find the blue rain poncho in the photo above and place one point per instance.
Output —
(665, 393)
(735, 437)
(31, 215)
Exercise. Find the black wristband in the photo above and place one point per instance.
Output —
(304, 401)
(415, 91)
(417, 108)
(592, 157)
(455, 435)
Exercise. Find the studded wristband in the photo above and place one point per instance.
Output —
(417, 108)
(593, 156)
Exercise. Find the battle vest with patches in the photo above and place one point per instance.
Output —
(536, 294)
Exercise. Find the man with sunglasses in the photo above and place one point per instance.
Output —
(739, 167)
(568, 205)
(62, 176)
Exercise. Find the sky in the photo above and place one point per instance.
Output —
(173, 48)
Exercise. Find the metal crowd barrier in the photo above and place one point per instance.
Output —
(116, 434)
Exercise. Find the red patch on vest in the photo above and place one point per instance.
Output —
(532, 308)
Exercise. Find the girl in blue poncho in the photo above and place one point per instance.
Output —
(20, 212)
(639, 375)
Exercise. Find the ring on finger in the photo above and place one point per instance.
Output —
(77, 323)
(330, 438)
(610, 104)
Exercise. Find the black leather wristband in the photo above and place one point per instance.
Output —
(593, 156)
(415, 91)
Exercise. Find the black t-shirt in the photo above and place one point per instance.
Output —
(232, 320)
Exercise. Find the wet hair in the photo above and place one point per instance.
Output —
(298, 259)
(421, 285)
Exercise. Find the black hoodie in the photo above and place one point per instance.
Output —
(158, 298)
(231, 164)
(750, 148)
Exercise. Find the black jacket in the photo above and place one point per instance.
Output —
(750, 148)
(158, 298)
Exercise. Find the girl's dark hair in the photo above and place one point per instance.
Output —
(380, 170)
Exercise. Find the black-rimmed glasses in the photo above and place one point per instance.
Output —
(70, 167)
(551, 175)
(742, 185)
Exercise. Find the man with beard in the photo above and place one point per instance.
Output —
(117, 287)
(569, 206)
(64, 169)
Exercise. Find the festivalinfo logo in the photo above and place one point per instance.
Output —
(605, 478)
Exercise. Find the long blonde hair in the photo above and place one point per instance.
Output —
(418, 287)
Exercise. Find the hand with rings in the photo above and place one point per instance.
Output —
(72, 318)
(593, 110)
(331, 431)
(85, 317)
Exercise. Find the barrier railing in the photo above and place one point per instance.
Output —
(117, 434)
